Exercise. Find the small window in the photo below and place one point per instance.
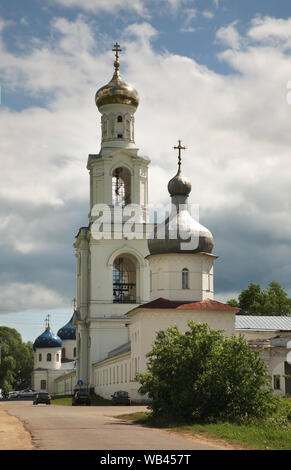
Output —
(57, 357)
(185, 279)
(277, 382)
(75, 352)
(39, 357)
(119, 136)
(119, 119)
(63, 353)
(49, 357)
(43, 384)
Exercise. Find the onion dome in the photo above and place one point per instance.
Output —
(116, 91)
(47, 339)
(180, 233)
(67, 331)
(179, 185)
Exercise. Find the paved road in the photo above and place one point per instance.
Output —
(58, 427)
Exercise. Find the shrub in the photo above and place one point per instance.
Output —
(204, 376)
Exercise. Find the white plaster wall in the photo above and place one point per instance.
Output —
(44, 363)
(106, 335)
(103, 254)
(116, 374)
(166, 276)
(50, 376)
(69, 345)
(145, 323)
(255, 334)
(65, 384)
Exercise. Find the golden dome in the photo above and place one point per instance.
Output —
(116, 91)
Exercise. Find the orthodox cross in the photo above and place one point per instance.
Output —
(116, 49)
(47, 322)
(179, 147)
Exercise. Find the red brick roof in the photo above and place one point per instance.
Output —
(206, 304)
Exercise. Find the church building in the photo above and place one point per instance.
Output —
(132, 279)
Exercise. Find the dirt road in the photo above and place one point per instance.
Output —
(25, 427)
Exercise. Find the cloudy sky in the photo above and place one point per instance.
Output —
(214, 73)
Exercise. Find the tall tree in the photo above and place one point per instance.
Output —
(16, 360)
(255, 301)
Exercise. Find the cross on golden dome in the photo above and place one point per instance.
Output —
(179, 147)
(116, 49)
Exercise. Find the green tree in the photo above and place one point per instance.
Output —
(16, 360)
(255, 301)
(203, 375)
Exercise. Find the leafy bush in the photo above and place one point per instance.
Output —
(204, 376)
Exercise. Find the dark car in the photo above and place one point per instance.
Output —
(121, 397)
(81, 398)
(42, 397)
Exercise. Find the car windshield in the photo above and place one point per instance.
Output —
(83, 394)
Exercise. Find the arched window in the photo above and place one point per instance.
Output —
(185, 278)
(75, 352)
(121, 187)
(124, 280)
(63, 353)
(119, 119)
(57, 357)
(49, 357)
(39, 357)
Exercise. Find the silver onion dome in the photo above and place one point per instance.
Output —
(180, 233)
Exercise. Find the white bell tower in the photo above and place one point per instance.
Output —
(112, 272)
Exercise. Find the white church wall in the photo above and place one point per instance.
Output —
(66, 384)
(69, 345)
(166, 276)
(255, 334)
(106, 335)
(103, 255)
(47, 358)
(45, 380)
(113, 374)
(145, 323)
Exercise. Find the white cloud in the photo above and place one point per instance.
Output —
(276, 31)
(236, 129)
(143, 8)
(207, 14)
(229, 36)
(16, 297)
(189, 14)
(112, 6)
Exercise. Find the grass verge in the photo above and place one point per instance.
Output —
(96, 400)
(273, 433)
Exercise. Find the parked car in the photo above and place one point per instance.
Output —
(121, 397)
(26, 393)
(81, 398)
(14, 394)
(42, 397)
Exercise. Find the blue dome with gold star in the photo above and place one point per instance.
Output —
(47, 340)
(67, 331)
